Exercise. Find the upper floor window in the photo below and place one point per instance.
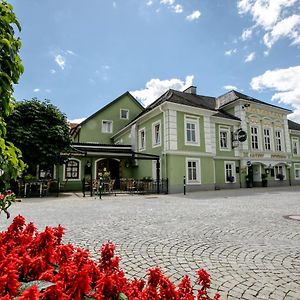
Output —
(107, 126)
(191, 131)
(278, 141)
(124, 114)
(254, 138)
(229, 172)
(156, 134)
(193, 170)
(72, 169)
(295, 146)
(224, 138)
(267, 139)
(142, 139)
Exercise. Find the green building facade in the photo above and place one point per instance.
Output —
(232, 141)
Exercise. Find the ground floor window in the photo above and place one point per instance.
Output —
(297, 170)
(229, 171)
(279, 172)
(72, 169)
(193, 170)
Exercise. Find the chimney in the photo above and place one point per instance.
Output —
(191, 90)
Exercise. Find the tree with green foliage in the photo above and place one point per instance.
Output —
(40, 130)
(10, 70)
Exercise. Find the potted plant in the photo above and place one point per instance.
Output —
(280, 176)
(264, 179)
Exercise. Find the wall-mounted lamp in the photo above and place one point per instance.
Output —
(88, 164)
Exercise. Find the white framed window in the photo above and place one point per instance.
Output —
(71, 170)
(156, 134)
(191, 131)
(193, 171)
(267, 139)
(107, 126)
(124, 114)
(295, 146)
(254, 137)
(279, 172)
(278, 141)
(142, 139)
(224, 138)
(230, 175)
(297, 171)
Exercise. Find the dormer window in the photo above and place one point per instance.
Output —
(107, 126)
(124, 114)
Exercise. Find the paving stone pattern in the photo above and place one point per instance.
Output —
(241, 237)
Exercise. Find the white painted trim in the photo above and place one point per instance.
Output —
(280, 164)
(140, 140)
(198, 170)
(158, 122)
(112, 126)
(281, 140)
(233, 171)
(297, 146)
(124, 109)
(225, 129)
(195, 120)
(270, 137)
(79, 171)
(296, 168)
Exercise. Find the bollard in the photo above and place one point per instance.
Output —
(184, 186)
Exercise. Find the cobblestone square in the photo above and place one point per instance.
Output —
(241, 237)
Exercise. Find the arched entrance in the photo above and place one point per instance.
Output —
(110, 165)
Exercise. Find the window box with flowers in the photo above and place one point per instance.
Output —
(230, 179)
(280, 176)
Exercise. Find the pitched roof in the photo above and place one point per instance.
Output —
(249, 98)
(74, 129)
(188, 99)
(293, 125)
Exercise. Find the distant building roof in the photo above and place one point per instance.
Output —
(239, 95)
(293, 125)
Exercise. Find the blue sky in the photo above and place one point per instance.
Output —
(83, 54)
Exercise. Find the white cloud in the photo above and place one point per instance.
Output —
(230, 87)
(285, 83)
(247, 34)
(76, 121)
(149, 3)
(114, 4)
(230, 52)
(36, 90)
(168, 2)
(276, 18)
(47, 90)
(250, 57)
(52, 71)
(194, 15)
(61, 61)
(178, 9)
(156, 87)
(70, 52)
(106, 67)
(285, 28)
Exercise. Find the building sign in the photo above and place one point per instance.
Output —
(241, 135)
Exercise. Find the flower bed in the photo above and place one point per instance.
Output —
(37, 265)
